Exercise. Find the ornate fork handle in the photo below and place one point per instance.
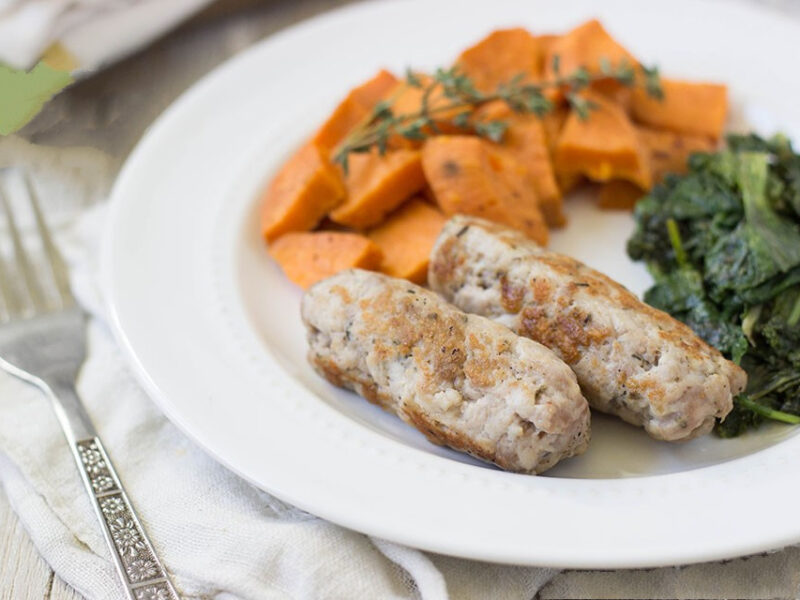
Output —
(43, 342)
(142, 572)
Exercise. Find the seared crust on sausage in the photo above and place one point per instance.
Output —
(631, 360)
(463, 380)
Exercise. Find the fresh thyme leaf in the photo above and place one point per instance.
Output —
(382, 110)
(492, 130)
(652, 82)
(581, 106)
(383, 137)
(537, 104)
(342, 159)
(625, 73)
(449, 95)
(414, 130)
(412, 80)
(461, 120)
(556, 64)
(511, 84)
(580, 79)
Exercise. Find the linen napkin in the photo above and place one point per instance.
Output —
(84, 34)
(219, 536)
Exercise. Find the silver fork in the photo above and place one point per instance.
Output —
(43, 342)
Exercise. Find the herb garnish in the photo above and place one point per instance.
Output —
(723, 245)
(461, 99)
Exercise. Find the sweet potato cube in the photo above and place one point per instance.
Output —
(546, 41)
(603, 147)
(308, 257)
(585, 46)
(619, 95)
(526, 141)
(406, 239)
(471, 176)
(377, 184)
(618, 194)
(669, 152)
(407, 100)
(553, 123)
(305, 189)
(355, 108)
(695, 108)
(501, 56)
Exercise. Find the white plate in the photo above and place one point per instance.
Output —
(213, 328)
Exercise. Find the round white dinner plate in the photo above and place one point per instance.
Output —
(213, 329)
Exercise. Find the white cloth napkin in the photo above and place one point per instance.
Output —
(93, 32)
(219, 536)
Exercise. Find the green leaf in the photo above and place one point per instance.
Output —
(22, 94)
(764, 244)
(625, 73)
(723, 245)
(412, 79)
(461, 120)
(492, 130)
(414, 130)
(581, 106)
(579, 79)
(341, 158)
(382, 110)
(652, 82)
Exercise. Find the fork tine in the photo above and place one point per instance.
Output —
(28, 274)
(56, 262)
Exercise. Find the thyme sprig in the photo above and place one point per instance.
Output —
(462, 99)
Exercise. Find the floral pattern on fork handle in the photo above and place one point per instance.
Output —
(145, 577)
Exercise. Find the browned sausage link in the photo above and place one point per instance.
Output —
(463, 380)
(631, 360)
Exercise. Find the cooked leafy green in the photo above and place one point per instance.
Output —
(723, 246)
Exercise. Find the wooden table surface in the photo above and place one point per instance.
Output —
(70, 119)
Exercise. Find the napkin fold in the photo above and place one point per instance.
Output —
(219, 536)
(90, 33)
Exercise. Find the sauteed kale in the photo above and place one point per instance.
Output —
(723, 245)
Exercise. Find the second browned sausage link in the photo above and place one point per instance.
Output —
(631, 360)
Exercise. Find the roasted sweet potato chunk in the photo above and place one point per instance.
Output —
(526, 141)
(355, 108)
(585, 46)
(471, 176)
(603, 147)
(553, 123)
(309, 257)
(377, 184)
(406, 239)
(501, 56)
(695, 108)
(668, 152)
(618, 194)
(407, 100)
(305, 189)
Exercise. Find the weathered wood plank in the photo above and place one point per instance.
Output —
(23, 573)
